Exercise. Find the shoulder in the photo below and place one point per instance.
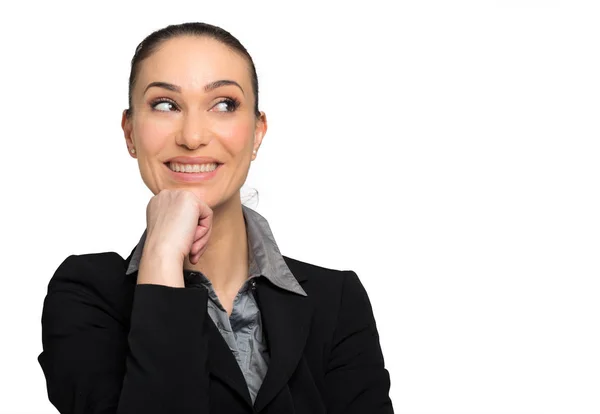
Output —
(326, 284)
(315, 274)
(93, 269)
(94, 278)
(340, 303)
(320, 275)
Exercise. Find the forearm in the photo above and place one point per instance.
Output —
(94, 362)
(166, 365)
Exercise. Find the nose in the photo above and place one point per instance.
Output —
(195, 130)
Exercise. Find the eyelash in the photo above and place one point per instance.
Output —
(232, 102)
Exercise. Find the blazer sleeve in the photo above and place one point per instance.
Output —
(356, 380)
(95, 363)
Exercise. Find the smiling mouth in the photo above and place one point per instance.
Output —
(192, 168)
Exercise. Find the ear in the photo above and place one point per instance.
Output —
(259, 132)
(127, 127)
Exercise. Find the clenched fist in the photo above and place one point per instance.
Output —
(178, 224)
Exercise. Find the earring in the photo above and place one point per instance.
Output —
(254, 152)
(132, 150)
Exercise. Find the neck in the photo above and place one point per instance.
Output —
(225, 260)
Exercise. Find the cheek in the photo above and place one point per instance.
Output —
(153, 135)
(236, 135)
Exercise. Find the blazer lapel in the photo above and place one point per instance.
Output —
(222, 363)
(286, 319)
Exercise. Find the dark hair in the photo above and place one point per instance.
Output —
(155, 39)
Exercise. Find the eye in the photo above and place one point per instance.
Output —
(227, 105)
(163, 105)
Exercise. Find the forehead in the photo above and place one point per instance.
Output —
(191, 62)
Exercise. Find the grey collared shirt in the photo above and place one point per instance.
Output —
(243, 330)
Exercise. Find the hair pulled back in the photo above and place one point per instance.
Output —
(153, 41)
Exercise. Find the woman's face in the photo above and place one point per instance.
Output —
(182, 117)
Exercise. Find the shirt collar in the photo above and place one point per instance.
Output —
(265, 257)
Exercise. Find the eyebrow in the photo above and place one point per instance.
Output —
(207, 88)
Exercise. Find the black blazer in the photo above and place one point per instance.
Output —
(111, 346)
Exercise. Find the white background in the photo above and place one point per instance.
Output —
(447, 151)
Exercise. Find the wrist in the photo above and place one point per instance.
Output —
(158, 267)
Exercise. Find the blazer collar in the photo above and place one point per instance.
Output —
(265, 258)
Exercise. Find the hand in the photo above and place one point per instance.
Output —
(178, 224)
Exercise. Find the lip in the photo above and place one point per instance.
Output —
(193, 160)
(193, 177)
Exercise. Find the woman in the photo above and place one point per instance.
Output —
(205, 315)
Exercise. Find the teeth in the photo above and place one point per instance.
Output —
(192, 168)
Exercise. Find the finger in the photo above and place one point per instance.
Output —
(194, 259)
(200, 233)
(197, 246)
(201, 251)
(199, 254)
(205, 216)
